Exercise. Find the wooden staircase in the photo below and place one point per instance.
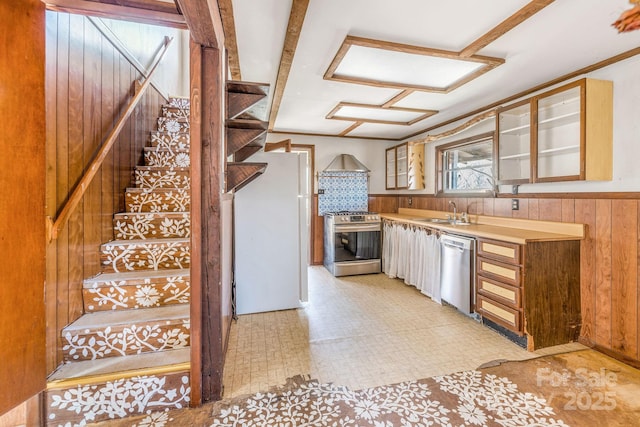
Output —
(129, 353)
(245, 132)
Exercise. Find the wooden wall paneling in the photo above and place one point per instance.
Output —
(92, 126)
(476, 206)
(534, 209)
(550, 209)
(585, 213)
(51, 86)
(488, 204)
(76, 167)
(624, 277)
(523, 211)
(502, 207)
(568, 210)
(57, 317)
(318, 233)
(603, 273)
(108, 114)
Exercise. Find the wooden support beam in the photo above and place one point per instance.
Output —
(296, 19)
(204, 22)
(230, 41)
(505, 26)
(136, 11)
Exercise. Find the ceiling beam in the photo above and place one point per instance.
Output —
(114, 11)
(230, 38)
(508, 24)
(296, 19)
(204, 22)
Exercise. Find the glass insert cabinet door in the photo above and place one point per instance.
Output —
(514, 143)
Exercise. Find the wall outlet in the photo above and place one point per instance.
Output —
(320, 191)
(410, 200)
(515, 204)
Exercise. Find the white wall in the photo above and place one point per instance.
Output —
(370, 152)
(626, 137)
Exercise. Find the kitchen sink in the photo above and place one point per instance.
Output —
(440, 221)
(435, 220)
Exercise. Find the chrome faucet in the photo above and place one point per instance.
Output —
(455, 211)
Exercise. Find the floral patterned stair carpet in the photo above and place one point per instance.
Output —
(582, 388)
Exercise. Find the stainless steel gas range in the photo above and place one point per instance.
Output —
(352, 243)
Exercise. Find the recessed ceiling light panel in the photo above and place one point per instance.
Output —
(386, 64)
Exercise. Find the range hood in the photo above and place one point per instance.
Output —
(346, 163)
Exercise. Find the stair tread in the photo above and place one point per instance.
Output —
(144, 190)
(136, 275)
(119, 366)
(153, 214)
(162, 168)
(166, 150)
(102, 319)
(146, 241)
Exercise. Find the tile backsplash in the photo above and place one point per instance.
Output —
(342, 191)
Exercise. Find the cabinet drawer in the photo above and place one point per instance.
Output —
(500, 292)
(501, 251)
(503, 272)
(498, 313)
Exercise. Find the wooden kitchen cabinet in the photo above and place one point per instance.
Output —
(565, 134)
(530, 292)
(405, 167)
(397, 167)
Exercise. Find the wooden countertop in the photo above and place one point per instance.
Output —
(497, 228)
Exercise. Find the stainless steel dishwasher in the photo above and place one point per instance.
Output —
(457, 276)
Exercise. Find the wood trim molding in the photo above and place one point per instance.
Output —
(466, 125)
(400, 96)
(505, 26)
(294, 27)
(355, 125)
(113, 11)
(230, 38)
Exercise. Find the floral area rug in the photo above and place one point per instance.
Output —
(582, 388)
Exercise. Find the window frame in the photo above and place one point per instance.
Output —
(440, 149)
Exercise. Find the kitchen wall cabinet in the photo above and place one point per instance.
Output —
(565, 134)
(405, 167)
(397, 167)
(531, 292)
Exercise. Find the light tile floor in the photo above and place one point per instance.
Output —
(360, 331)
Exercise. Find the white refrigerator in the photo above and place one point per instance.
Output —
(272, 235)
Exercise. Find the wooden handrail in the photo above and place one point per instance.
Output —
(54, 227)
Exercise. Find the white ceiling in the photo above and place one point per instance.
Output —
(563, 37)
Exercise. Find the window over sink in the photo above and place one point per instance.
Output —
(466, 166)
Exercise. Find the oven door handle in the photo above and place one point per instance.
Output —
(356, 228)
